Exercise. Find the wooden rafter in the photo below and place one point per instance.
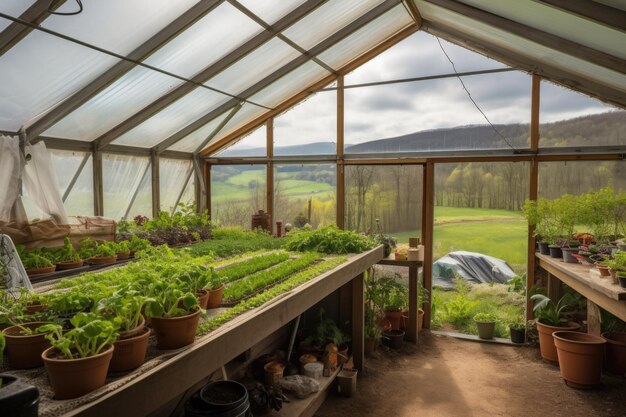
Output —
(592, 10)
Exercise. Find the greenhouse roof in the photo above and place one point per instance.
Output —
(190, 76)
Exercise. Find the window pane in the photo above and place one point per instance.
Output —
(79, 201)
(438, 115)
(569, 118)
(13, 8)
(245, 115)
(271, 10)
(327, 19)
(253, 144)
(173, 118)
(579, 177)
(392, 194)
(121, 176)
(173, 175)
(300, 188)
(192, 141)
(308, 128)
(237, 192)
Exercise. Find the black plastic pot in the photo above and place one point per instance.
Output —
(17, 398)
(544, 248)
(223, 399)
(555, 251)
(622, 281)
(393, 338)
(518, 335)
(568, 255)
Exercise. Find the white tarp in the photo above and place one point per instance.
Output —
(472, 267)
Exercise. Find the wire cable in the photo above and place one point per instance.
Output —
(515, 150)
(51, 9)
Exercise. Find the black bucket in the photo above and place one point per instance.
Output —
(219, 399)
(393, 338)
(556, 252)
(17, 398)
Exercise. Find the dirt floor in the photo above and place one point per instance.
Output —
(444, 376)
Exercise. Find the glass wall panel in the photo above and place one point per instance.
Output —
(142, 205)
(121, 176)
(366, 38)
(79, 201)
(438, 115)
(173, 178)
(13, 8)
(271, 10)
(173, 118)
(253, 144)
(237, 192)
(305, 194)
(579, 177)
(569, 118)
(327, 19)
(309, 128)
(390, 193)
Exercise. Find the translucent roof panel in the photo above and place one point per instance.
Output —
(117, 25)
(192, 141)
(39, 72)
(13, 8)
(290, 84)
(253, 67)
(173, 118)
(558, 22)
(252, 144)
(327, 19)
(129, 94)
(245, 115)
(204, 43)
(271, 10)
(367, 37)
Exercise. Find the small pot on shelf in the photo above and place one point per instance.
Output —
(555, 251)
(568, 255)
(604, 270)
(24, 350)
(544, 248)
(64, 266)
(518, 333)
(31, 272)
(103, 260)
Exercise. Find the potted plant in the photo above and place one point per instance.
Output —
(122, 250)
(201, 280)
(328, 336)
(35, 263)
(372, 331)
(550, 318)
(67, 257)
(174, 313)
(136, 244)
(569, 249)
(617, 265)
(486, 324)
(215, 287)
(518, 332)
(388, 242)
(615, 352)
(124, 309)
(78, 361)
(24, 340)
(580, 357)
(97, 253)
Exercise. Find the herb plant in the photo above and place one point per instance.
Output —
(329, 239)
(66, 253)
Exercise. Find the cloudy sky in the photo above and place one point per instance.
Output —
(392, 110)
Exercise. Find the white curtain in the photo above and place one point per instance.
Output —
(40, 180)
(11, 208)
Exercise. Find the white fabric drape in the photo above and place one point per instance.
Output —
(40, 180)
(11, 208)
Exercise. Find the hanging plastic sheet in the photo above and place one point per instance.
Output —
(10, 210)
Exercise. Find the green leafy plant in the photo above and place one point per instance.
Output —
(250, 266)
(194, 278)
(88, 337)
(66, 253)
(169, 300)
(34, 259)
(136, 244)
(122, 247)
(484, 318)
(326, 332)
(123, 308)
(329, 239)
(518, 326)
(547, 312)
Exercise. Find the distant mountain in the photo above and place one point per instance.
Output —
(599, 129)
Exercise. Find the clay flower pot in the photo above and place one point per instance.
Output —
(71, 378)
(103, 260)
(580, 357)
(395, 318)
(123, 255)
(126, 334)
(215, 297)
(130, 352)
(615, 352)
(604, 270)
(31, 272)
(546, 342)
(63, 266)
(24, 351)
(175, 332)
(203, 298)
(420, 320)
(273, 372)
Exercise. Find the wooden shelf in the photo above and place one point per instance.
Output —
(308, 406)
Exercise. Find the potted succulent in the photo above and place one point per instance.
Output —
(78, 361)
(66, 257)
(486, 324)
(175, 314)
(550, 318)
(518, 332)
(124, 309)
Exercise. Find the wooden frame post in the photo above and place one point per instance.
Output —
(428, 218)
(98, 191)
(269, 184)
(156, 184)
(533, 188)
(358, 321)
(341, 177)
(207, 185)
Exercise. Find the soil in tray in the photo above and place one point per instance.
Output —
(231, 303)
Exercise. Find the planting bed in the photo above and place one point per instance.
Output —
(252, 280)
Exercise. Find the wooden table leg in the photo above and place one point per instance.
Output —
(358, 321)
(593, 319)
(411, 328)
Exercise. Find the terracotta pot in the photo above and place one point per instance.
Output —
(383, 324)
(71, 378)
(370, 345)
(40, 271)
(24, 351)
(546, 342)
(395, 318)
(130, 352)
(604, 270)
(62, 266)
(615, 352)
(420, 319)
(580, 357)
(405, 320)
(126, 334)
(175, 332)
(215, 297)
(273, 373)
(102, 260)
(36, 308)
(122, 255)
(203, 298)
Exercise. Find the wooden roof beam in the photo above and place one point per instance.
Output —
(606, 15)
